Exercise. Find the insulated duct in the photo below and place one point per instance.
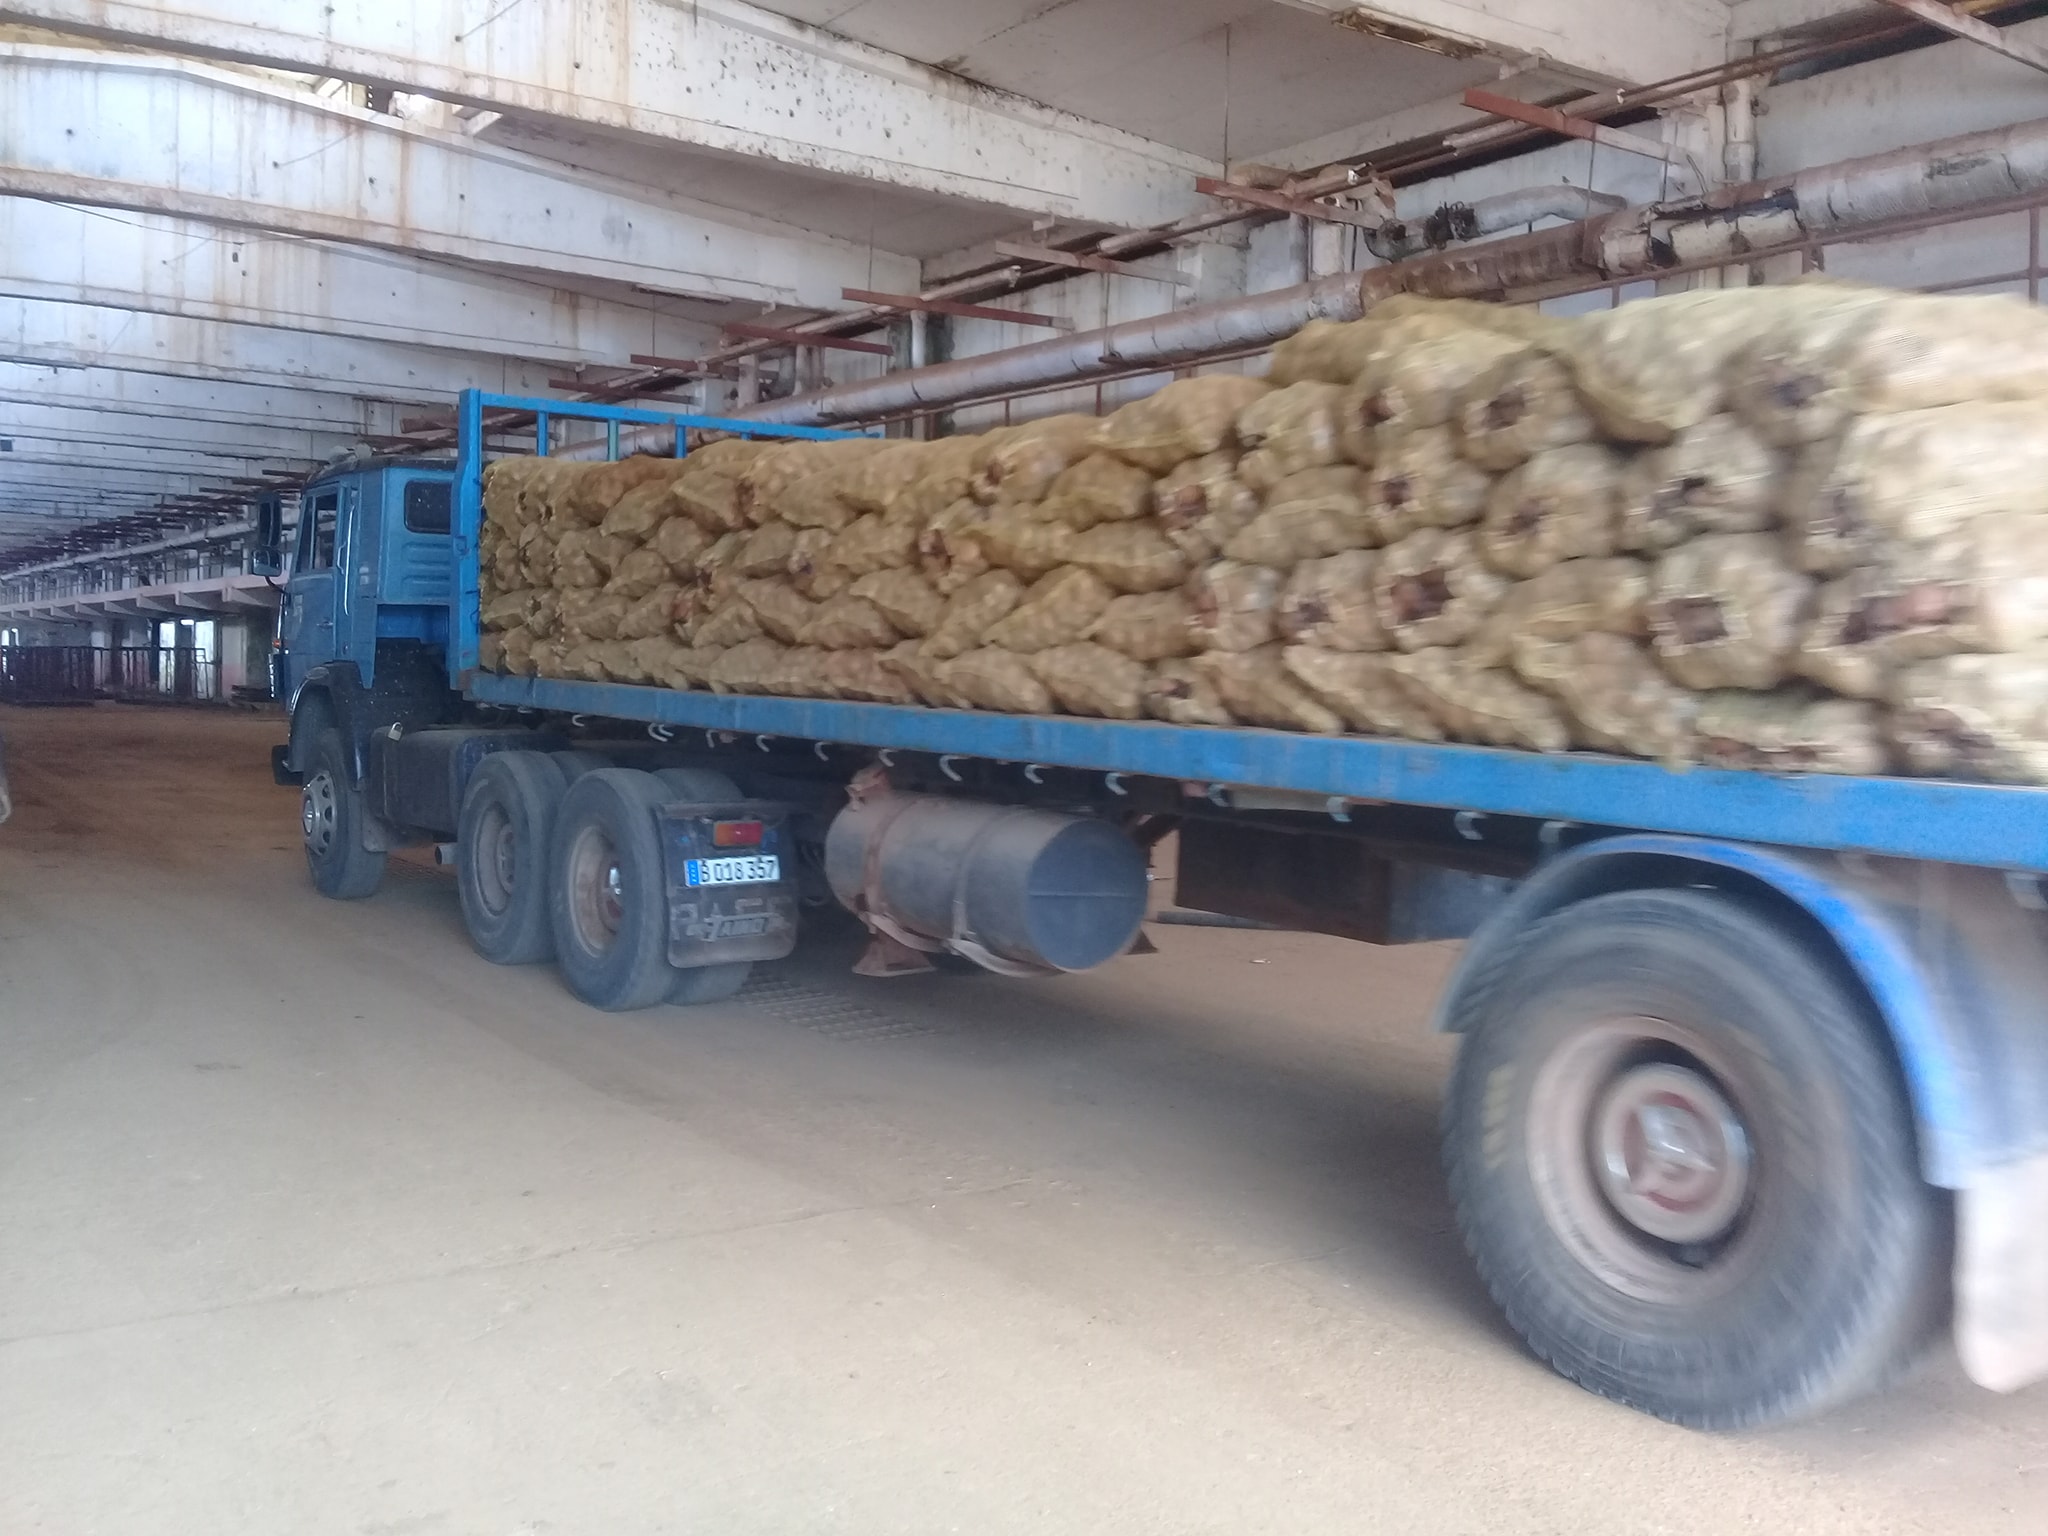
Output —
(1454, 223)
(1949, 176)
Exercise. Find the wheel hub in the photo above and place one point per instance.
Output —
(497, 860)
(317, 813)
(1670, 1153)
(596, 890)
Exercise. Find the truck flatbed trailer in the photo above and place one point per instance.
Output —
(1752, 1091)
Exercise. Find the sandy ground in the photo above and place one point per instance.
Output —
(311, 1221)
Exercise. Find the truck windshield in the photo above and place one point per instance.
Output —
(426, 506)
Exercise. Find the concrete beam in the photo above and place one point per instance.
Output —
(91, 427)
(165, 265)
(34, 450)
(92, 336)
(345, 418)
(1623, 41)
(170, 136)
(715, 75)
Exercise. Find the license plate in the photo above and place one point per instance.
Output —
(747, 869)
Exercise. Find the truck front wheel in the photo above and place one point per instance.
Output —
(1684, 1162)
(331, 818)
(607, 897)
(501, 862)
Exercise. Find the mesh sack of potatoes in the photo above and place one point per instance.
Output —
(1288, 430)
(680, 541)
(1715, 476)
(1186, 419)
(1486, 705)
(490, 652)
(656, 613)
(1256, 688)
(708, 497)
(1058, 607)
(922, 674)
(591, 614)
(1328, 603)
(641, 510)
(1562, 504)
(1089, 679)
(1431, 589)
(1312, 513)
(1419, 479)
(637, 573)
(765, 551)
(1914, 475)
(879, 481)
(1867, 351)
(1974, 717)
(1727, 611)
(1790, 729)
(1200, 503)
(1573, 598)
(949, 550)
(1982, 587)
(989, 677)
(1234, 605)
(1424, 383)
(1018, 539)
(1614, 695)
(1021, 463)
(874, 542)
(1100, 488)
(1325, 351)
(729, 623)
(971, 611)
(1178, 693)
(848, 623)
(945, 472)
(1524, 403)
(1131, 557)
(782, 610)
(1363, 690)
(904, 598)
(1146, 626)
(811, 568)
(766, 478)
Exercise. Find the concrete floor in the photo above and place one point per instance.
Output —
(311, 1221)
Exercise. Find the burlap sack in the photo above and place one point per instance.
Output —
(1058, 607)
(1308, 515)
(991, 678)
(716, 573)
(1563, 504)
(765, 551)
(970, 611)
(1294, 428)
(749, 667)
(1363, 690)
(618, 661)
(1487, 705)
(1572, 598)
(1131, 557)
(1420, 480)
(904, 598)
(711, 501)
(812, 502)
(1100, 488)
(1088, 679)
(1615, 696)
(1715, 476)
(584, 496)
(944, 473)
(1789, 731)
(653, 614)
(782, 610)
(1256, 688)
(1147, 626)
(1422, 384)
(1186, 419)
(490, 653)
(1430, 589)
(543, 615)
(1848, 352)
(1974, 717)
(1914, 475)
(1020, 463)
(640, 511)
(803, 673)
(590, 614)
(949, 547)
(1525, 403)
(582, 662)
(732, 623)
(875, 543)
(1328, 604)
(569, 561)
(1327, 351)
(812, 568)
(518, 647)
(507, 610)
(692, 666)
(728, 455)
(1727, 611)
(680, 542)
(848, 623)
(923, 675)
(1178, 693)
(862, 676)
(1234, 605)
(639, 573)
(1019, 540)
(656, 658)
(880, 480)
(503, 481)
(1200, 503)
(550, 658)
(768, 476)
(507, 567)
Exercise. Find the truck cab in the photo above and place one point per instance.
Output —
(368, 570)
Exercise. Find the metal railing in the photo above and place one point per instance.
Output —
(75, 674)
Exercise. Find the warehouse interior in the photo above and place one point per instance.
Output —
(317, 1221)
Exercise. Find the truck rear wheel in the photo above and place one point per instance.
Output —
(1684, 1162)
(607, 897)
(331, 820)
(501, 862)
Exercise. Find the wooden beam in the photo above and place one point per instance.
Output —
(1982, 33)
(1554, 121)
(1088, 261)
(1280, 202)
(909, 301)
(806, 339)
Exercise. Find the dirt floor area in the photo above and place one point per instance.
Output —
(311, 1221)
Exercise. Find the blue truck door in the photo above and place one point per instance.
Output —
(307, 627)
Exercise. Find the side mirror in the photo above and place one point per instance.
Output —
(267, 559)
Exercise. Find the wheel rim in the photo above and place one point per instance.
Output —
(496, 861)
(596, 898)
(318, 813)
(1644, 1162)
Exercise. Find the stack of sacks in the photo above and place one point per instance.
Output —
(1788, 527)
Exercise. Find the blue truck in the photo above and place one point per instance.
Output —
(1752, 1089)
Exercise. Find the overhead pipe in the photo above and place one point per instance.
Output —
(1455, 223)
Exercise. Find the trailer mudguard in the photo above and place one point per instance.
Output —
(1954, 960)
